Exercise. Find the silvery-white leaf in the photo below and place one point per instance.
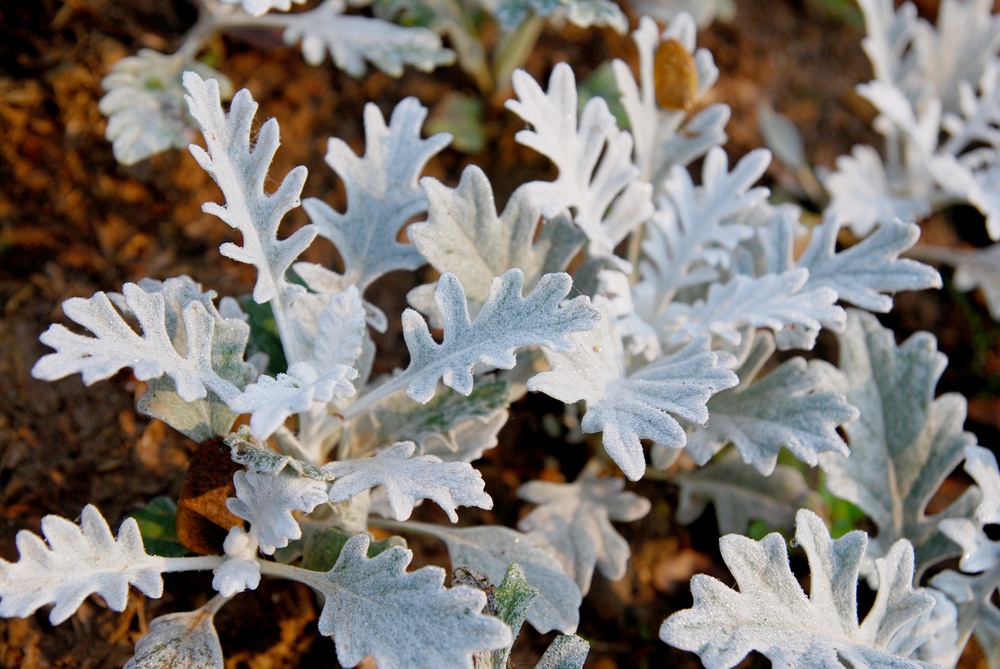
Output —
(261, 7)
(665, 138)
(862, 272)
(862, 196)
(575, 520)
(267, 502)
(241, 570)
(240, 169)
(597, 179)
(792, 407)
(491, 548)
(185, 640)
(451, 426)
(703, 11)
(781, 136)
(772, 615)
(382, 193)
(696, 228)
(905, 442)
(271, 400)
(510, 14)
(408, 479)
(150, 355)
(144, 103)
(890, 38)
(641, 405)
(463, 235)
(354, 40)
(741, 494)
(567, 651)
(977, 187)
(774, 301)
(329, 327)
(506, 322)
(77, 561)
(327, 283)
(404, 620)
(209, 417)
(974, 268)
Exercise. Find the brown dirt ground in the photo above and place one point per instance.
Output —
(72, 222)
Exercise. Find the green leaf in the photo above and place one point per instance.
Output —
(322, 548)
(264, 337)
(158, 527)
(462, 117)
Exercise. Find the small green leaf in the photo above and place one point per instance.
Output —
(462, 116)
(157, 525)
(322, 548)
(513, 598)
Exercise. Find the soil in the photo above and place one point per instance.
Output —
(73, 221)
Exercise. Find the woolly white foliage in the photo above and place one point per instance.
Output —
(382, 193)
(597, 179)
(490, 549)
(261, 7)
(741, 494)
(74, 561)
(792, 407)
(185, 640)
(267, 502)
(240, 169)
(354, 40)
(144, 103)
(772, 615)
(641, 405)
(584, 13)
(905, 441)
(240, 571)
(860, 273)
(575, 520)
(408, 479)
(405, 620)
(271, 400)
(150, 355)
(464, 236)
(506, 321)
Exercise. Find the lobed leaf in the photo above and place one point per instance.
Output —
(77, 561)
(506, 322)
(404, 620)
(772, 615)
(408, 479)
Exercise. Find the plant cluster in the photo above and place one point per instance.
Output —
(666, 351)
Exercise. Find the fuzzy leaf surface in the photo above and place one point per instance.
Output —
(382, 193)
(575, 520)
(642, 405)
(464, 235)
(772, 615)
(150, 355)
(144, 102)
(267, 502)
(450, 426)
(240, 169)
(186, 640)
(905, 442)
(490, 549)
(862, 273)
(77, 561)
(408, 479)
(353, 41)
(506, 322)
(741, 494)
(597, 179)
(792, 407)
(405, 620)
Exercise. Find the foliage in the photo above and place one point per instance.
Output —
(668, 351)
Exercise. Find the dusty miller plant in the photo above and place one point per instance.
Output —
(665, 352)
